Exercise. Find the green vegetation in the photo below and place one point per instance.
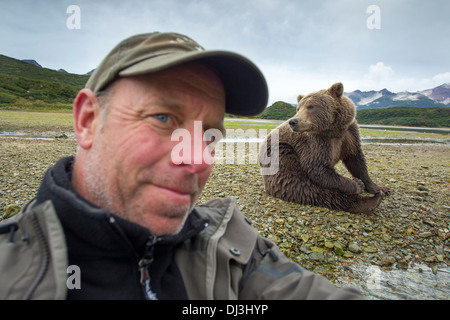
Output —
(24, 86)
(278, 111)
(406, 116)
(24, 121)
(19, 68)
(394, 116)
(232, 123)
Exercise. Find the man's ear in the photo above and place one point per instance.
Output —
(86, 116)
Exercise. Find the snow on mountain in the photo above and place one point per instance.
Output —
(370, 98)
(440, 94)
(407, 96)
(435, 97)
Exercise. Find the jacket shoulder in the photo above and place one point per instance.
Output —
(33, 254)
(212, 263)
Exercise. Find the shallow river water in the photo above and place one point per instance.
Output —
(419, 282)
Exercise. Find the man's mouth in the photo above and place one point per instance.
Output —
(176, 192)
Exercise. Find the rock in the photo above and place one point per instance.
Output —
(338, 249)
(348, 255)
(329, 245)
(402, 264)
(425, 234)
(370, 249)
(434, 269)
(61, 136)
(304, 237)
(422, 193)
(353, 247)
(399, 243)
(10, 210)
(387, 260)
(386, 237)
(317, 256)
(304, 248)
(439, 249)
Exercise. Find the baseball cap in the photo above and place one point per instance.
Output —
(246, 91)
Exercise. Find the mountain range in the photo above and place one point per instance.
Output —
(438, 97)
(34, 62)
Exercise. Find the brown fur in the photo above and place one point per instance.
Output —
(323, 132)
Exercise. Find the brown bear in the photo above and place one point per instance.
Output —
(323, 131)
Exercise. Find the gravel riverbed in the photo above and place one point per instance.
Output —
(408, 233)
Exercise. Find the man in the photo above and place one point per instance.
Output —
(121, 215)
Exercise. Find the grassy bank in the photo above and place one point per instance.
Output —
(62, 120)
(35, 121)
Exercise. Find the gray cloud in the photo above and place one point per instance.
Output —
(301, 46)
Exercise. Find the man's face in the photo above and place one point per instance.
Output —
(129, 169)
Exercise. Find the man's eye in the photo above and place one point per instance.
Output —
(162, 117)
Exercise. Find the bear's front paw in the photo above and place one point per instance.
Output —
(359, 186)
(374, 189)
(385, 191)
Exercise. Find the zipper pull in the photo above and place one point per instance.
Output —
(144, 263)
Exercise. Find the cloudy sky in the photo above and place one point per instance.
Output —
(300, 45)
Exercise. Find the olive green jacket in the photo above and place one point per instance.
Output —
(226, 260)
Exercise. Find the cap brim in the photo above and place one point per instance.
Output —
(245, 86)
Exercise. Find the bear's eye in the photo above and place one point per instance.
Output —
(310, 107)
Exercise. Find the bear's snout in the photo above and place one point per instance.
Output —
(293, 123)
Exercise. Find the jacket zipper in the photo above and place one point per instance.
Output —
(44, 264)
(144, 263)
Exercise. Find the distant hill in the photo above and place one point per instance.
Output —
(278, 111)
(26, 84)
(438, 97)
(20, 68)
(32, 62)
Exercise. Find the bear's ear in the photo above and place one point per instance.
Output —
(299, 97)
(337, 89)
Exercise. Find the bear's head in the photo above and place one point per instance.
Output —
(325, 111)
